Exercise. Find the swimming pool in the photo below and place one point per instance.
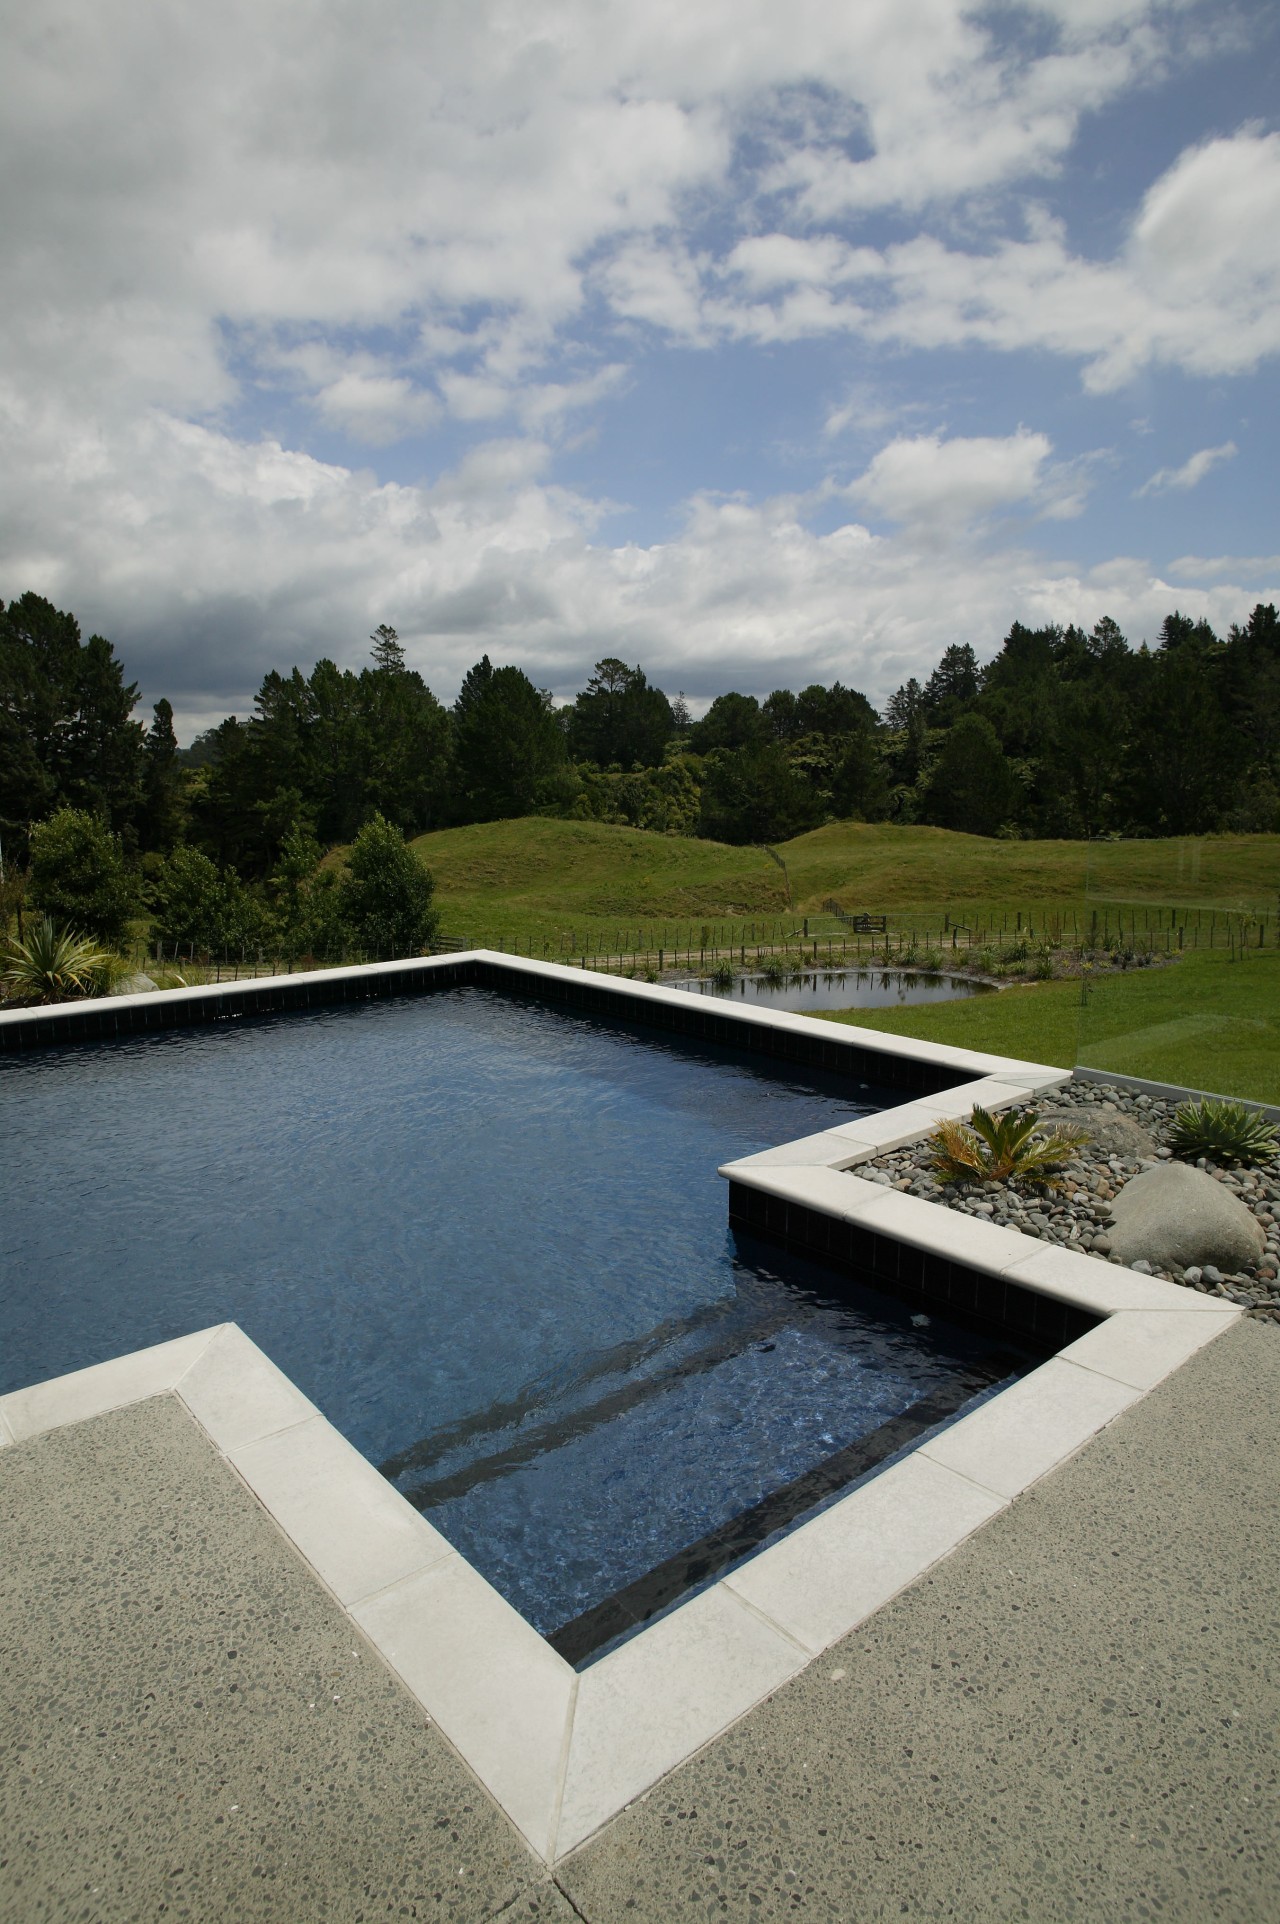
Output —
(487, 1237)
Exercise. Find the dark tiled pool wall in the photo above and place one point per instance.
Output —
(99, 1020)
(911, 1272)
(705, 1024)
(96, 1020)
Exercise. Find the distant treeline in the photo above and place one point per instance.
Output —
(1063, 733)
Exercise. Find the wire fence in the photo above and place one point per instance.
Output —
(836, 938)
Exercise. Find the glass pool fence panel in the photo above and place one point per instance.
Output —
(1180, 964)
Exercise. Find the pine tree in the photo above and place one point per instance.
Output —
(388, 650)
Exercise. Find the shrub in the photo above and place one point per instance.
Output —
(1224, 1132)
(54, 964)
(385, 895)
(78, 875)
(1011, 1148)
(190, 901)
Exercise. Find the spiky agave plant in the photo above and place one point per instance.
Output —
(1224, 1132)
(1014, 1147)
(52, 963)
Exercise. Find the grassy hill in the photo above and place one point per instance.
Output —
(567, 889)
(548, 881)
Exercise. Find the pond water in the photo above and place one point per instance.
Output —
(487, 1238)
(813, 989)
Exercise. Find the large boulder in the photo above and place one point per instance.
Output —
(1109, 1128)
(1180, 1215)
(133, 985)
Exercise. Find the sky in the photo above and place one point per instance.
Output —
(758, 344)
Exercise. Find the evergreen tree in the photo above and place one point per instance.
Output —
(388, 650)
(619, 720)
(732, 721)
(161, 782)
(953, 686)
(972, 787)
(102, 756)
(506, 742)
(755, 795)
(779, 711)
(66, 737)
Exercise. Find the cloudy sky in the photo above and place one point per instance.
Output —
(758, 341)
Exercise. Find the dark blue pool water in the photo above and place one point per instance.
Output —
(487, 1238)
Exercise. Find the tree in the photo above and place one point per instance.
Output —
(952, 686)
(161, 782)
(388, 650)
(859, 786)
(66, 737)
(619, 720)
(78, 874)
(191, 899)
(755, 795)
(779, 711)
(833, 711)
(972, 786)
(385, 896)
(732, 721)
(102, 755)
(506, 741)
(904, 704)
(1181, 759)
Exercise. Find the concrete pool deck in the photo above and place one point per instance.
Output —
(1073, 1716)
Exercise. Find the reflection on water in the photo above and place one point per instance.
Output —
(840, 989)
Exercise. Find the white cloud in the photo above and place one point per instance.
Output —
(1191, 473)
(1254, 568)
(1195, 286)
(208, 560)
(923, 480)
(471, 173)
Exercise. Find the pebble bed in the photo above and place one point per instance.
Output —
(1077, 1215)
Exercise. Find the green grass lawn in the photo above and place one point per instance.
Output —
(1205, 1022)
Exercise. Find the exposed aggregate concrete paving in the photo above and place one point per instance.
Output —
(189, 1726)
(1073, 1717)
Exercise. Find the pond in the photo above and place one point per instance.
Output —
(805, 992)
(487, 1238)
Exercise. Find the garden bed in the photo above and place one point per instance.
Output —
(1129, 1133)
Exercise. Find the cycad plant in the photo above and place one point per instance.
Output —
(52, 964)
(1014, 1147)
(1223, 1132)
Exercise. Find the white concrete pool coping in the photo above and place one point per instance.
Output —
(563, 1752)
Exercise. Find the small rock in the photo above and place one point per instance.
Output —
(1142, 1266)
(1192, 1275)
(1212, 1275)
